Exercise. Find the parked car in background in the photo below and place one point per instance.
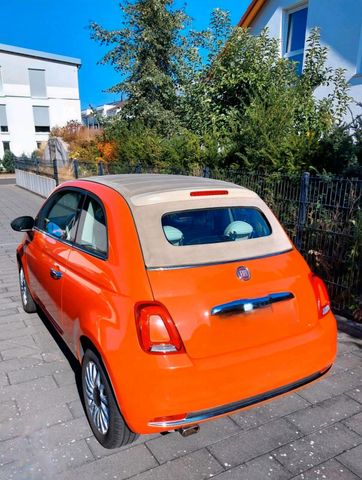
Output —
(182, 298)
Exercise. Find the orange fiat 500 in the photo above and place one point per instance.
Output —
(183, 299)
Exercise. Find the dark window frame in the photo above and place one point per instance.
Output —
(80, 225)
(42, 128)
(72, 244)
(288, 33)
(49, 204)
(4, 127)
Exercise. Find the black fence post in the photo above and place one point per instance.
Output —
(303, 208)
(53, 159)
(100, 168)
(56, 173)
(75, 169)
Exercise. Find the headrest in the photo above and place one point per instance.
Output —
(238, 230)
(173, 235)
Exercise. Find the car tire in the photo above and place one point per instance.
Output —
(27, 300)
(104, 416)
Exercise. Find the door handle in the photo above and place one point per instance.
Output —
(56, 274)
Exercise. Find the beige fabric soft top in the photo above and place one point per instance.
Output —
(150, 196)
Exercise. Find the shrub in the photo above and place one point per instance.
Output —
(9, 162)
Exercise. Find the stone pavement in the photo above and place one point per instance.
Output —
(315, 434)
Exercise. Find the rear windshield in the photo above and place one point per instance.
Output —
(214, 225)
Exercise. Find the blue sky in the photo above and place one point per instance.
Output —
(61, 27)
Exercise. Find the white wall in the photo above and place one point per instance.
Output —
(63, 99)
(340, 22)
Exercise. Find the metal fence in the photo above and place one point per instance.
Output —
(322, 215)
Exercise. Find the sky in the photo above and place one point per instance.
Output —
(61, 27)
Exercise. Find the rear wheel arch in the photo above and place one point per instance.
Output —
(85, 343)
(119, 433)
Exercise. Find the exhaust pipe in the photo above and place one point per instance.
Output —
(187, 431)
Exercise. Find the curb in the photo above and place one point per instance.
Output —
(349, 326)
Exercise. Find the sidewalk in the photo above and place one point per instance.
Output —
(7, 179)
(315, 434)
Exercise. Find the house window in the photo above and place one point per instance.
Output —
(359, 56)
(37, 83)
(6, 146)
(1, 84)
(38, 145)
(41, 119)
(296, 26)
(3, 119)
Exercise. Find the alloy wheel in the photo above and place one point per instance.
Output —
(96, 398)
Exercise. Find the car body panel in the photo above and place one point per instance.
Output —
(43, 254)
(207, 335)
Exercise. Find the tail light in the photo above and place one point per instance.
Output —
(157, 332)
(207, 193)
(322, 297)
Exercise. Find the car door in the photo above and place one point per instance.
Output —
(88, 272)
(47, 253)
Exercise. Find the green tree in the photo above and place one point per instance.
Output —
(8, 161)
(148, 52)
(263, 115)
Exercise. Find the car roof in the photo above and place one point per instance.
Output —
(151, 196)
(147, 188)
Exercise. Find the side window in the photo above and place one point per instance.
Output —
(59, 216)
(92, 231)
(295, 39)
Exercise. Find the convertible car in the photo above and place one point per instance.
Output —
(182, 298)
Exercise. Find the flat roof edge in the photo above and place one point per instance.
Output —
(39, 54)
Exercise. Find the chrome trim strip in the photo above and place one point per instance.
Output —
(196, 417)
(250, 304)
(210, 264)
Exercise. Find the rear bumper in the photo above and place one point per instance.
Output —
(153, 389)
(203, 415)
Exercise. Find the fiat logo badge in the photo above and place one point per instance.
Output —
(243, 273)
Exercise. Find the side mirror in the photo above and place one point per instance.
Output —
(23, 224)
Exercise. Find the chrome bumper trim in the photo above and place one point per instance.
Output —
(249, 304)
(196, 417)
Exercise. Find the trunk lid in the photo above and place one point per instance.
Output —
(190, 294)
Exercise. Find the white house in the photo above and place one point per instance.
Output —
(340, 23)
(38, 91)
(90, 115)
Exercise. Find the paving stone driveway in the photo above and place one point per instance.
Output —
(315, 434)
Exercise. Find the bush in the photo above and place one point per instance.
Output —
(9, 162)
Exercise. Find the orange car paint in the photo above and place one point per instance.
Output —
(226, 359)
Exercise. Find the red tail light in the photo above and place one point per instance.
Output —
(206, 193)
(157, 332)
(322, 297)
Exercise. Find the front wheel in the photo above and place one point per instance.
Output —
(29, 305)
(102, 410)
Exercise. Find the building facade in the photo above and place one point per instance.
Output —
(340, 23)
(91, 116)
(38, 91)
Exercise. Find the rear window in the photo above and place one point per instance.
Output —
(214, 225)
